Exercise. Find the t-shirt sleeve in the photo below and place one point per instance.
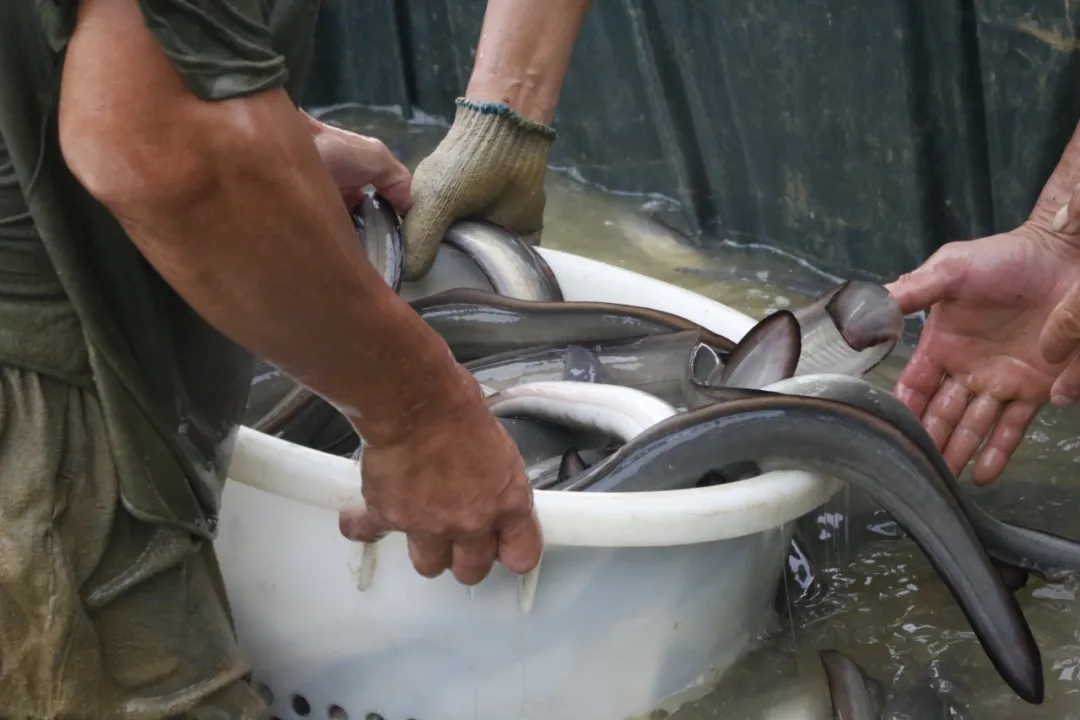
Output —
(222, 48)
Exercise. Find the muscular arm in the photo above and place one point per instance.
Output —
(230, 203)
(523, 54)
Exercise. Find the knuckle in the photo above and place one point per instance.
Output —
(473, 522)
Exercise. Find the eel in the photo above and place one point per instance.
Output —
(379, 230)
(855, 446)
(619, 412)
(849, 330)
(511, 265)
(477, 323)
(855, 695)
(1046, 554)
(769, 352)
(656, 364)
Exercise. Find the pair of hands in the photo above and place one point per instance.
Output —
(461, 497)
(1001, 339)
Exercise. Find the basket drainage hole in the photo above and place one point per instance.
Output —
(336, 712)
(300, 705)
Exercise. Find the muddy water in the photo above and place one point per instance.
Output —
(885, 607)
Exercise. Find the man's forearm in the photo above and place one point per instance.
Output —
(230, 203)
(1059, 188)
(523, 54)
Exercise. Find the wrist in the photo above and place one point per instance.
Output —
(414, 384)
(475, 110)
(526, 95)
(446, 398)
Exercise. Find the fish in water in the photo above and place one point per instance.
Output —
(656, 364)
(855, 695)
(1013, 546)
(855, 446)
(512, 266)
(849, 330)
(476, 323)
(379, 229)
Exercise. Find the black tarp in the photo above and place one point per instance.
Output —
(861, 136)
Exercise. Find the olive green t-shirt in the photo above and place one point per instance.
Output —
(77, 299)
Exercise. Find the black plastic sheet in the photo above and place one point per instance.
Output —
(860, 136)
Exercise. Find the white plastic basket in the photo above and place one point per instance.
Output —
(641, 598)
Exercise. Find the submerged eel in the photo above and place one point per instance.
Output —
(858, 447)
(855, 695)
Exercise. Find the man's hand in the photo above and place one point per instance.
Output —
(977, 373)
(456, 486)
(355, 161)
(490, 166)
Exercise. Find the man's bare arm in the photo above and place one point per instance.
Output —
(231, 204)
(523, 54)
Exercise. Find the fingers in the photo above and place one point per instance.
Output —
(521, 543)
(919, 381)
(1067, 219)
(1066, 388)
(355, 161)
(974, 427)
(1007, 436)
(392, 179)
(1061, 334)
(430, 555)
(945, 411)
(931, 283)
(473, 557)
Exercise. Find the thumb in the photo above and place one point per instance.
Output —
(1061, 333)
(362, 526)
(423, 230)
(928, 284)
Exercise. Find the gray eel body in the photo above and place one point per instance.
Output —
(656, 364)
(510, 264)
(379, 229)
(1040, 552)
(848, 330)
(855, 695)
(855, 446)
(475, 323)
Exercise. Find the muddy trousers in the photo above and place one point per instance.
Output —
(101, 615)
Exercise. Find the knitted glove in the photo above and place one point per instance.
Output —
(490, 166)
